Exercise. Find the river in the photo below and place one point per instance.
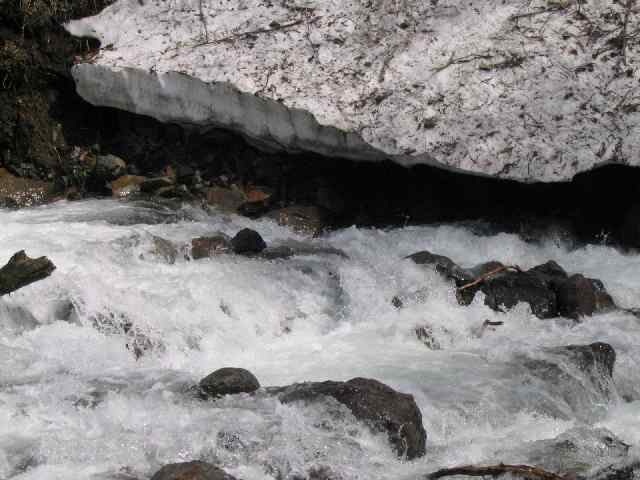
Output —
(76, 403)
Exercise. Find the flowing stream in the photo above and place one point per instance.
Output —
(76, 403)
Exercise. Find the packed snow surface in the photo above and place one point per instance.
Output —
(75, 402)
(532, 90)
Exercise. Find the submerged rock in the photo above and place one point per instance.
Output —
(195, 470)
(574, 452)
(596, 358)
(506, 290)
(247, 241)
(380, 406)
(228, 381)
(580, 374)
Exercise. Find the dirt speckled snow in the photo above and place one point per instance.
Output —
(534, 90)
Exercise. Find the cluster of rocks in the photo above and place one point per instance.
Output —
(246, 242)
(380, 407)
(548, 289)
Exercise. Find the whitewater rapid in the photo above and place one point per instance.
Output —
(76, 403)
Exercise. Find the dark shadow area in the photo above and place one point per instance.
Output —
(597, 206)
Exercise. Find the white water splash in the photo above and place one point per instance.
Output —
(75, 403)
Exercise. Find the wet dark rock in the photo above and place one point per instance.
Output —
(507, 289)
(205, 247)
(228, 381)
(579, 296)
(381, 407)
(576, 379)
(308, 220)
(448, 269)
(550, 273)
(320, 472)
(247, 241)
(195, 470)
(440, 263)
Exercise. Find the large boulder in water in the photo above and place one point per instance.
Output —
(191, 471)
(228, 381)
(458, 84)
(373, 402)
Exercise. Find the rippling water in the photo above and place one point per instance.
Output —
(75, 402)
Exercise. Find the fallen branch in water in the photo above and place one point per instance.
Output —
(524, 471)
(493, 272)
(22, 271)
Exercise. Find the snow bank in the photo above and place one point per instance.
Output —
(532, 90)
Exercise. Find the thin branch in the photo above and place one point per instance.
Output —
(491, 273)
(524, 471)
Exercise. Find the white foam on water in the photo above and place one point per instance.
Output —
(75, 402)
